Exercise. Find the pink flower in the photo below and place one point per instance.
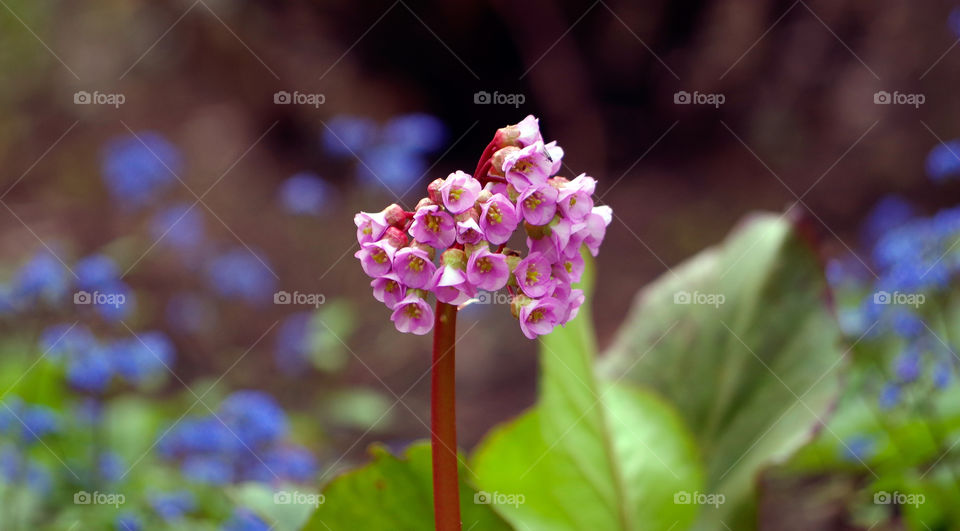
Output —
(459, 192)
(596, 228)
(573, 266)
(538, 204)
(498, 219)
(433, 227)
(487, 271)
(413, 267)
(469, 232)
(376, 258)
(553, 244)
(413, 315)
(572, 306)
(540, 317)
(576, 197)
(529, 131)
(370, 227)
(450, 285)
(530, 166)
(533, 275)
(388, 290)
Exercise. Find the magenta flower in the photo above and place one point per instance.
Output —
(469, 232)
(526, 167)
(413, 267)
(572, 306)
(540, 317)
(538, 204)
(376, 258)
(433, 227)
(576, 197)
(573, 266)
(498, 219)
(487, 271)
(555, 243)
(533, 275)
(459, 191)
(388, 290)
(596, 228)
(528, 131)
(413, 315)
(450, 285)
(370, 227)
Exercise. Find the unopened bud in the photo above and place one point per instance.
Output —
(518, 301)
(395, 237)
(454, 258)
(507, 136)
(468, 214)
(484, 196)
(557, 181)
(425, 202)
(395, 215)
(433, 190)
(496, 161)
(431, 252)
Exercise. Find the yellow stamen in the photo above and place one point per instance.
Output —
(415, 264)
(532, 275)
(412, 310)
(379, 256)
(494, 215)
(484, 264)
(535, 316)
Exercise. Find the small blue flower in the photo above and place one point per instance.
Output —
(96, 272)
(11, 463)
(305, 193)
(38, 477)
(907, 366)
(91, 370)
(244, 520)
(417, 131)
(889, 396)
(137, 168)
(292, 346)
(120, 302)
(38, 422)
(172, 506)
(889, 213)
(198, 435)
(238, 274)
(392, 166)
(292, 463)
(43, 277)
(61, 340)
(145, 356)
(110, 466)
(858, 448)
(209, 469)
(347, 136)
(128, 522)
(254, 416)
(943, 161)
(906, 323)
(179, 226)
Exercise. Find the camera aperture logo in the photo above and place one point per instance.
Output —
(299, 299)
(498, 498)
(882, 97)
(98, 498)
(287, 497)
(898, 498)
(82, 97)
(698, 498)
(898, 298)
(707, 299)
(282, 97)
(99, 299)
(485, 98)
(682, 97)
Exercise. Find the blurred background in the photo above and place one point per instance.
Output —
(199, 157)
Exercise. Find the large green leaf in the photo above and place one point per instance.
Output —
(590, 454)
(394, 494)
(740, 340)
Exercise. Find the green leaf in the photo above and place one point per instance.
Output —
(740, 340)
(394, 493)
(590, 454)
(286, 509)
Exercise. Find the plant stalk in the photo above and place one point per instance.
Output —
(443, 420)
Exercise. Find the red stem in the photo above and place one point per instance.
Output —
(443, 441)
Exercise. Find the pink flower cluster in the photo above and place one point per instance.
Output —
(468, 220)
